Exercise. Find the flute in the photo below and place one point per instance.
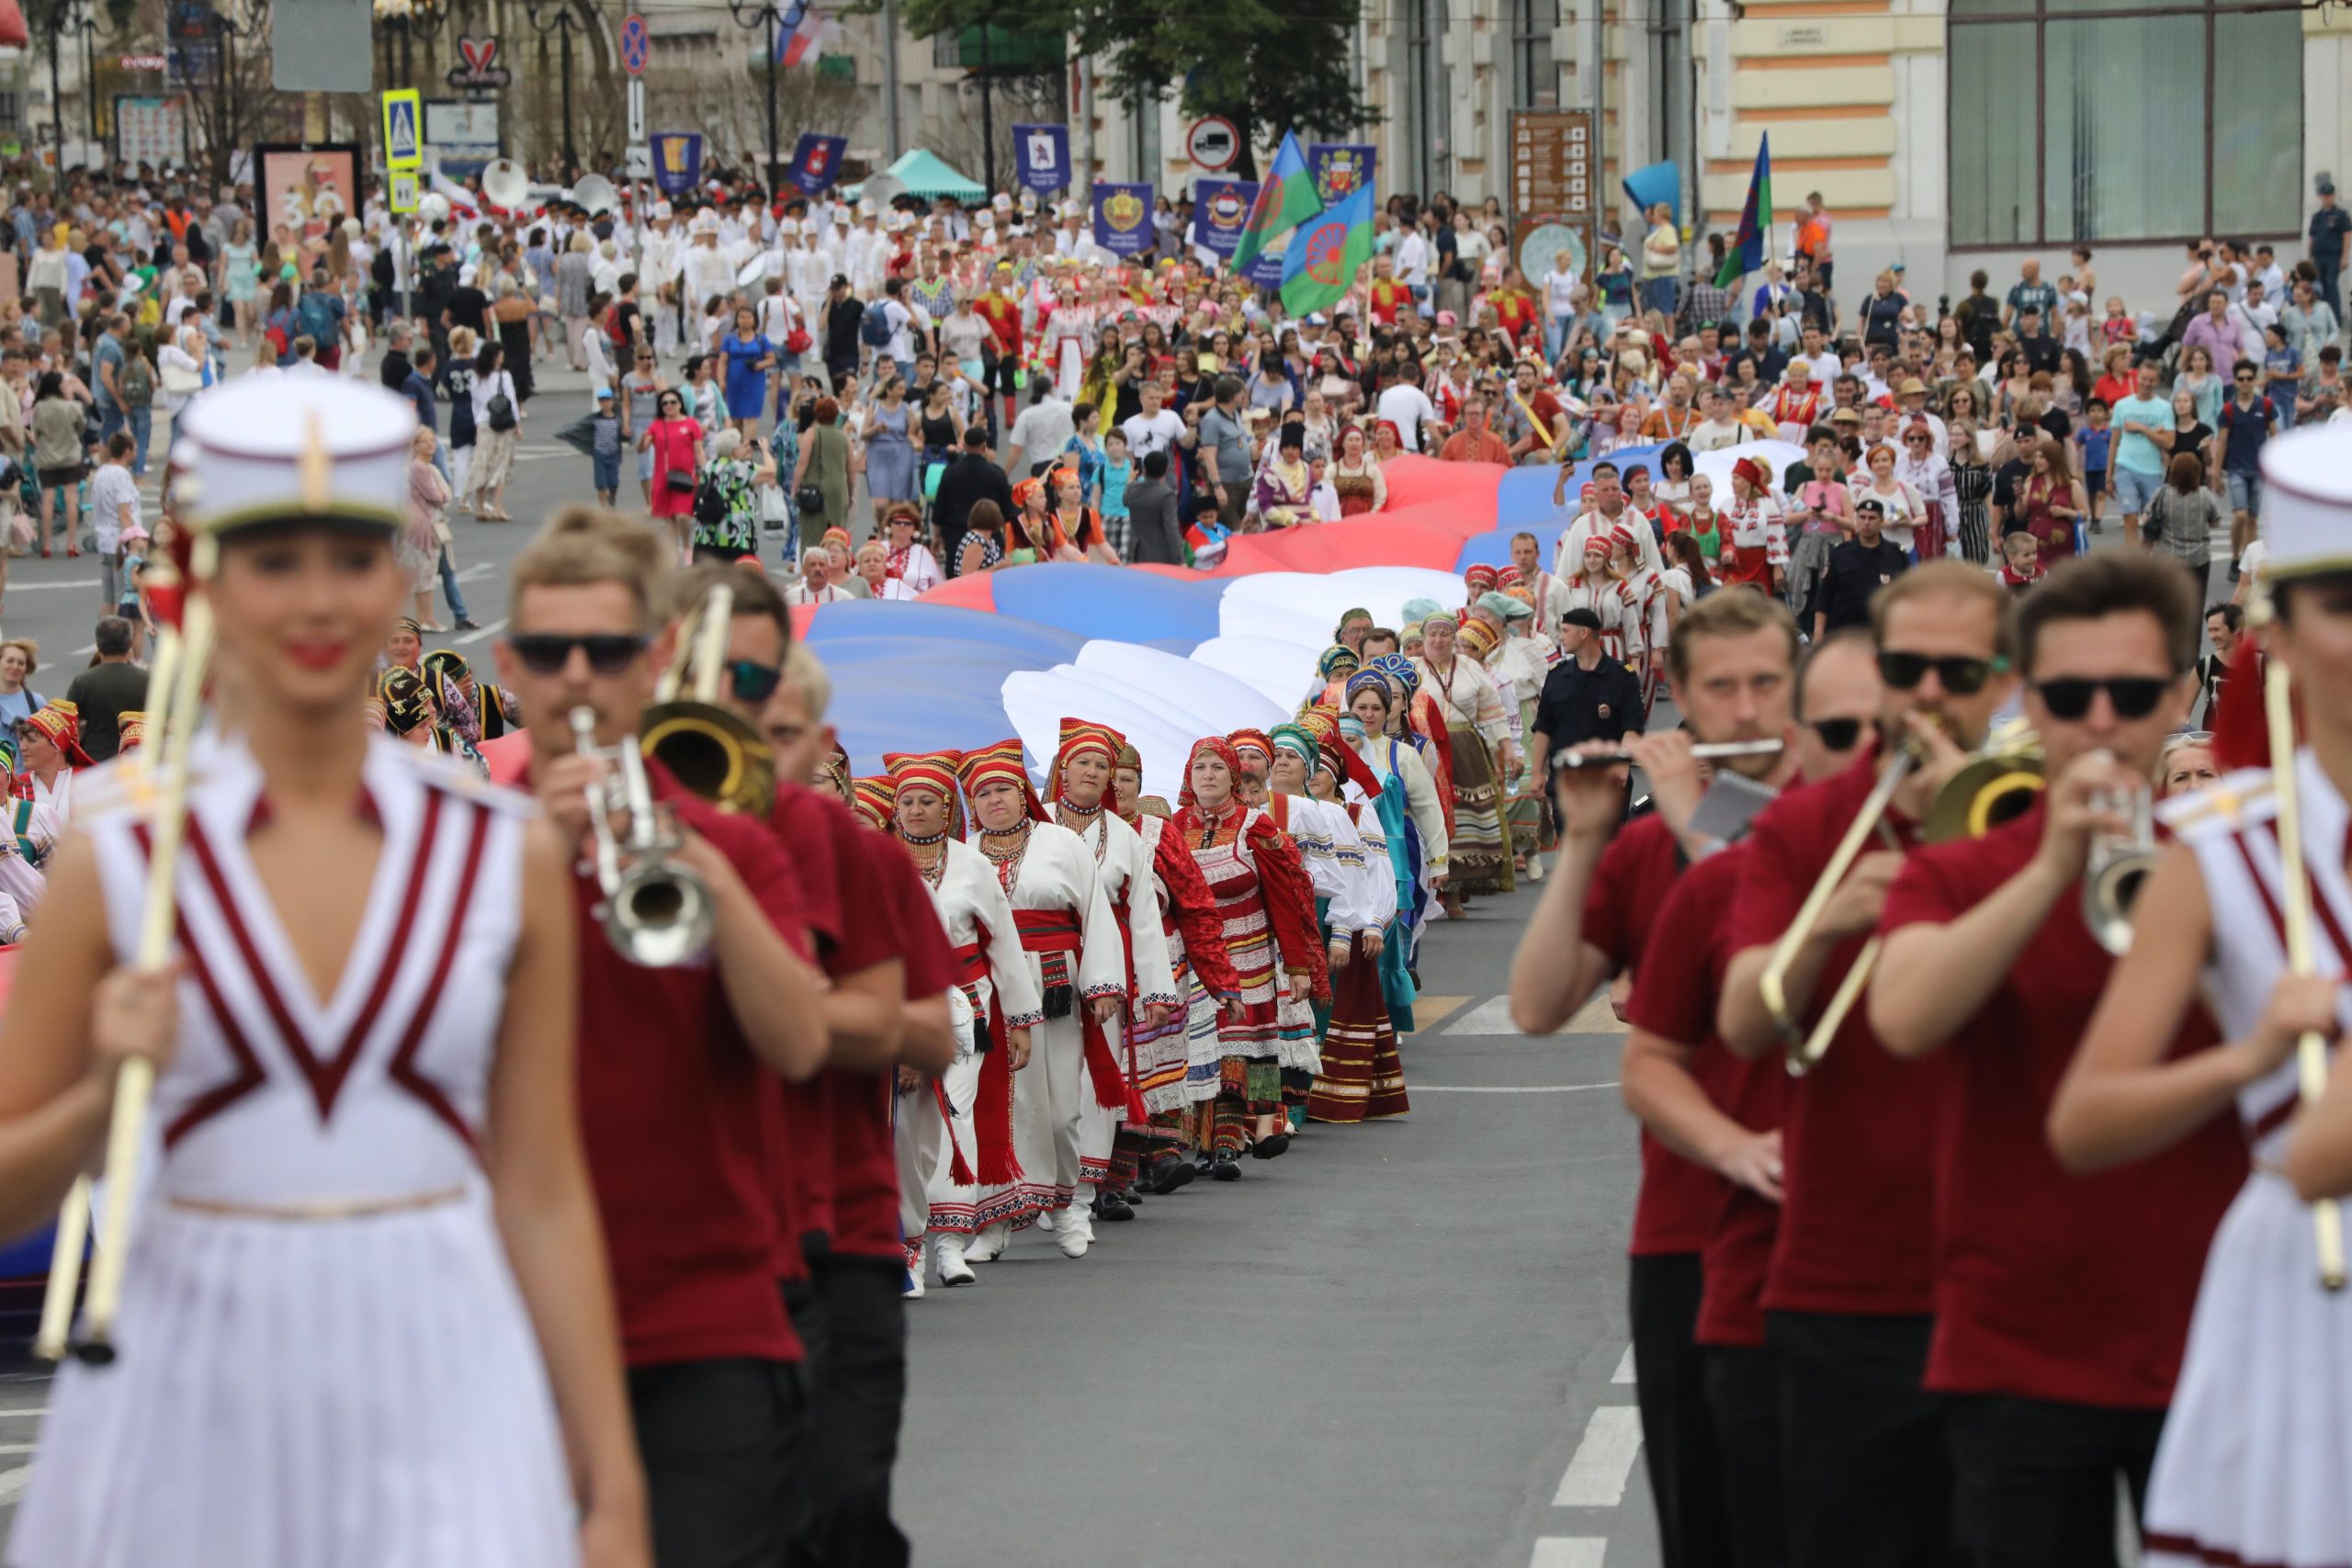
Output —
(1705, 751)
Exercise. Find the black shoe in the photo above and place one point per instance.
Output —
(466, 624)
(1170, 1174)
(1131, 1197)
(1271, 1148)
(1110, 1206)
(1225, 1167)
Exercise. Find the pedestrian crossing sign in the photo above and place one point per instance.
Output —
(400, 190)
(403, 130)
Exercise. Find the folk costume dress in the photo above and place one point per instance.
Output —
(1123, 874)
(1476, 728)
(324, 1355)
(996, 982)
(1267, 905)
(1075, 957)
(1422, 724)
(1323, 847)
(2254, 1451)
(1523, 662)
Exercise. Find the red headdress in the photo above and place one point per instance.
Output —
(1481, 577)
(61, 721)
(1000, 763)
(1751, 470)
(1256, 740)
(1079, 737)
(873, 799)
(931, 771)
(1223, 749)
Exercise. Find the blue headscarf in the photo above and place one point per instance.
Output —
(1338, 653)
(1370, 680)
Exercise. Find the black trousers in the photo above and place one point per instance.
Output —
(1677, 1432)
(852, 1321)
(1744, 1398)
(2035, 1479)
(1866, 1476)
(718, 1439)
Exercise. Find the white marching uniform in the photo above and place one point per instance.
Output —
(2252, 1465)
(978, 916)
(1058, 876)
(1122, 866)
(324, 1355)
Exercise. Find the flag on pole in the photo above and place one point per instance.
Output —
(1285, 200)
(800, 29)
(1325, 253)
(1748, 247)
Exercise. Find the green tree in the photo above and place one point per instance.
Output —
(1266, 68)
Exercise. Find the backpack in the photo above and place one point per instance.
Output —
(137, 380)
(501, 411)
(379, 271)
(613, 331)
(710, 507)
(874, 330)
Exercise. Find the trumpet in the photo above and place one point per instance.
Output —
(2119, 864)
(1807, 1047)
(1706, 751)
(656, 912)
(708, 749)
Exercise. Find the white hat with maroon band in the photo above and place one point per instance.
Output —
(292, 449)
(2307, 502)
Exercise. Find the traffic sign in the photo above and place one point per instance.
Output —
(635, 43)
(404, 129)
(635, 109)
(1213, 143)
(640, 161)
(400, 190)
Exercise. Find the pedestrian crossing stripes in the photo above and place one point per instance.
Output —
(1492, 1017)
(1604, 1461)
(1568, 1552)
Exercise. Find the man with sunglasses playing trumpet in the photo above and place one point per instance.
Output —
(2062, 1302)
(1848, 1294)
(673, 1062)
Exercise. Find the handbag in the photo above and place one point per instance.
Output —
(796, 341)
(179, 381)
(809, 499)
(501, 409)
(678, 481)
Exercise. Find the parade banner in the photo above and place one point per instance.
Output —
(677, 161)
(1340, 169)
(1219, 209)
(1044, 158)
(308, 187)
(1123, 219)
(815, 163)
(1266, 269)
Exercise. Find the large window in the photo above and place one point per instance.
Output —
(2121, 119)
(1535, 83)
(1429, 102)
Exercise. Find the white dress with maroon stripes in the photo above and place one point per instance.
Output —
(1123, 871)
(2256, 1451)
(294, 1388)
(974, 909)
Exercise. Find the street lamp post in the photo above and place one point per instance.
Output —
(225, 31)
(561, 22)
(66, 16)
(87, 26)
(767, 14)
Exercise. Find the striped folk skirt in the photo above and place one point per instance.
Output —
(1363, 1075)
(1478, 860)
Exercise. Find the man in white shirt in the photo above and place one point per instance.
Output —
(1608, 510)
(1413, 263)
(1818, 357)
(1156, 429)
(1405, 406)
(1718, 430)
(1559, 304)
(1551, 599)
(2251, 315)
(1044, 428)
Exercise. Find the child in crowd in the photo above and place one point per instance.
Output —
(605, 446)
(2020, 561)
(2119, 327)
(2093, 440)
(1322, 499)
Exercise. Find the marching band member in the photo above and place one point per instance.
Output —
(368, 1269)
(1723, 1115)
(2061, 1303)
(1850, 1289)
(2251, 1458)
(1084, 802)
(1729, 671)
(1149, 1151)
(679, 1055)
(1080, 969)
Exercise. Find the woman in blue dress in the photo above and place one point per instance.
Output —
(890, 451)
(750, 356)
(1412, 818)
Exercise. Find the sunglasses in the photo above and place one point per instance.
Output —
(753, 682)
(2133, 696)
(1961, 675)
(545, 653)
(1837, 734)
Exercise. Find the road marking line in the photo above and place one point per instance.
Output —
(490, 630)
(15, 1448)
(1430, 1011)
(1492, 1017)
(69, 582)
(1624, 1367)
(1508, 1089)
(1604, 1458)
(22, 1411)
(12, 1483)
(1567, 1551)
(483, 568)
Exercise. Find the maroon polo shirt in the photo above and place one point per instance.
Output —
(2051, 1285)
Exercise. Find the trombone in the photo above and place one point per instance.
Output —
(181, 655)
(1807, 1048)
(2311, 1051)
(708, 749)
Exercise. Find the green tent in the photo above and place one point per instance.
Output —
(924, 174)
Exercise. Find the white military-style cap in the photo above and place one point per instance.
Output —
(294, 448)
(2307, 502)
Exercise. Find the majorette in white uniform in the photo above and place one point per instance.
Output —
(2252, 1465)
(1123, 869)
(1073, 947)
(324, 1356)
